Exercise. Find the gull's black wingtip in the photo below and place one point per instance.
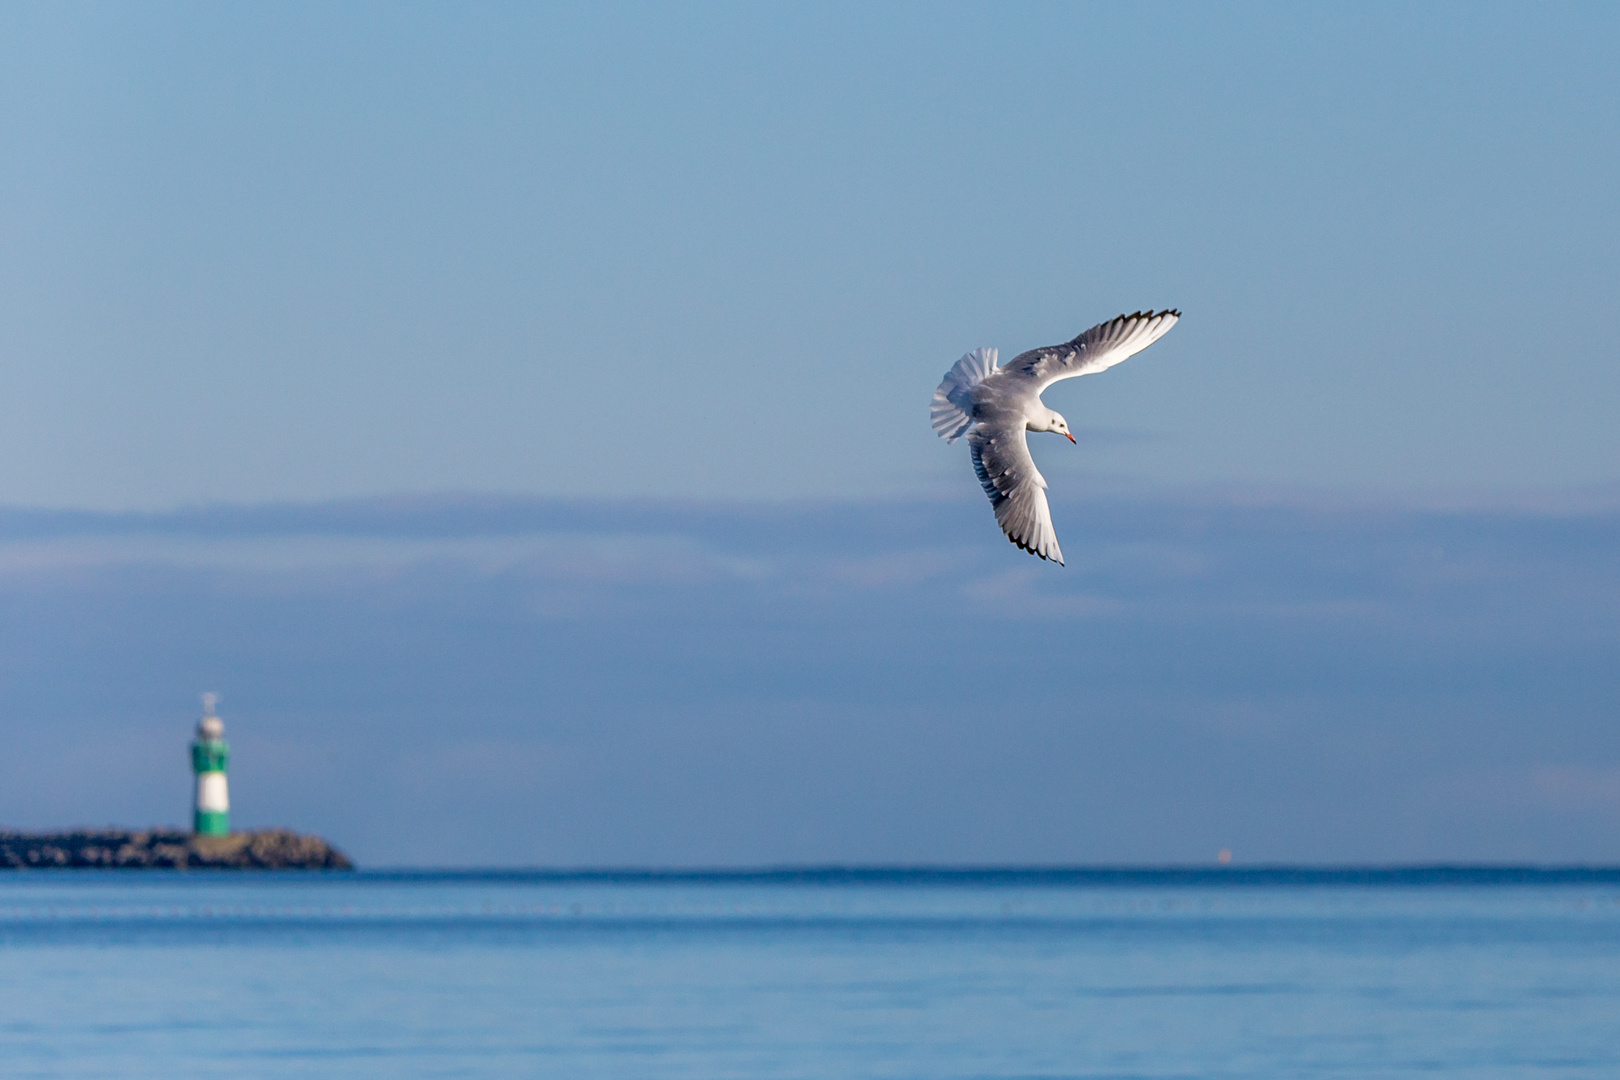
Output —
(1024, 545)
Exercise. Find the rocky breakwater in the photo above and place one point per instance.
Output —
(117, 849)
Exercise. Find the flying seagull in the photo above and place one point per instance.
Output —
(994, 406)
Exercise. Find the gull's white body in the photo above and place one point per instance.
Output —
(993, 406)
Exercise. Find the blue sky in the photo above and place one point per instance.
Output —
(314, 251)
(518, 413)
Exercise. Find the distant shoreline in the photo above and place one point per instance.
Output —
(1039, 876)
(285, 849)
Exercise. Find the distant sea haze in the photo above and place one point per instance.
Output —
(484, 681)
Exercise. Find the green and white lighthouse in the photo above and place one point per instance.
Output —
(209, 758)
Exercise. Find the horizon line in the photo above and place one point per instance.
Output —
(1436, 872)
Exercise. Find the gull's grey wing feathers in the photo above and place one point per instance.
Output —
(951, 411)
(1098, 349)
(1016, 488)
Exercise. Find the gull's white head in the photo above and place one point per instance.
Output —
(1054, 422)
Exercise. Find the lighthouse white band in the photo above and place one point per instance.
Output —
(211, 793)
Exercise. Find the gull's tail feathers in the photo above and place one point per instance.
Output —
(951, 411)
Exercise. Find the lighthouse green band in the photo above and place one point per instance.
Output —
(212, 822)
(209, 756)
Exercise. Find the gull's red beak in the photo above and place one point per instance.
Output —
(1066, 435)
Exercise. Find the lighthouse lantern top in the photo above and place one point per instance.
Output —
(210, 728)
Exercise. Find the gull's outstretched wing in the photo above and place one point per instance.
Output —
(1098, 349)
(1016, 488)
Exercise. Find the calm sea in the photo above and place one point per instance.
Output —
(828, 974)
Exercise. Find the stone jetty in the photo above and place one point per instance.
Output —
(120, 849)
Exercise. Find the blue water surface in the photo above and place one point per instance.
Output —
(881, 974)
